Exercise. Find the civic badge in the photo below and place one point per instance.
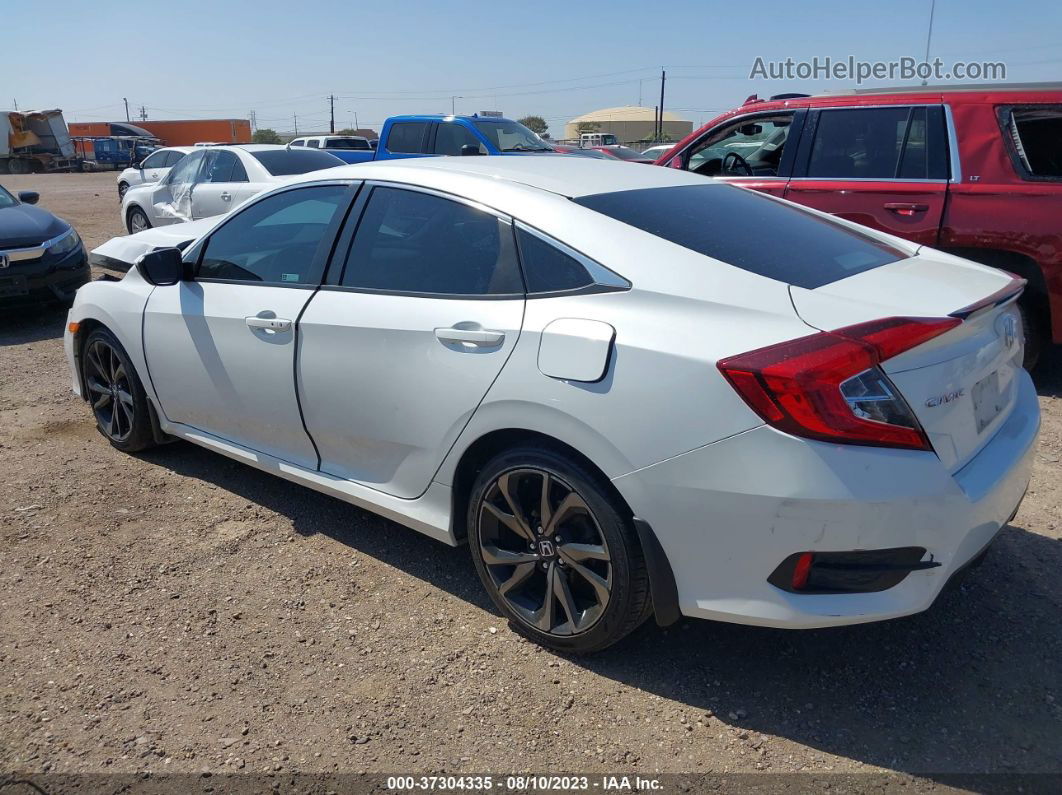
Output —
(4, 260)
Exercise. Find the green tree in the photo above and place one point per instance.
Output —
(264, 135)
(587, 127)
(535, 124)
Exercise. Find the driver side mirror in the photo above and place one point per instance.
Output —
(469, 149)
(29, 196)
(162, 267)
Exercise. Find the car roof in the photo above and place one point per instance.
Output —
(437, 116)
(560, 174)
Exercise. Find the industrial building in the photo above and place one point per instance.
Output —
(630, 123)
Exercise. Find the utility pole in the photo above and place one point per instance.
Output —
(453, 105)
(332, 112)
(126, 101)
(929, 33)
(660, 124)
(296, 119)
(143, 113)
(254, 121)
(656, 122)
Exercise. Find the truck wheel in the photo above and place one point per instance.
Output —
(3, 167)
(18, 166)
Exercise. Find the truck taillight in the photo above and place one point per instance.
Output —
(828, 386)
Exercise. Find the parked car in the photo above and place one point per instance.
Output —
(211, 180)
(589, 140)
(153, 168)
(427, 135)
(339, 145)
(611, 383)
(653, 152)
(971, 170)
(42, 258)
(619, 152)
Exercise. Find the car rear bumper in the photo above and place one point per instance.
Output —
(729, 513)
(45, 280)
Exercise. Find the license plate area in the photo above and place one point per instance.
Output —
(11, 286)
(988, 400)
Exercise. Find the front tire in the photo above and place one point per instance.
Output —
(115, 393)
(137, 221)
(556, 551)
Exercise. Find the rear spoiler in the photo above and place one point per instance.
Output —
(1002, 296)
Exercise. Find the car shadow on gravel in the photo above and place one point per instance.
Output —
(972, 685)
(19, 326)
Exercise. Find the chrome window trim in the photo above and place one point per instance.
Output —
(868, 179)
(953, 145)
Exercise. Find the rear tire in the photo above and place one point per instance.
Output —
(115, 393)
(587, 586)
(1036, 336)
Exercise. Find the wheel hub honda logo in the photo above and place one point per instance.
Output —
(545, 548)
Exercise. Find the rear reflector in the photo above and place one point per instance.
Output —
(827, 386)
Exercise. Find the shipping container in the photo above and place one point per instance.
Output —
(173, 132)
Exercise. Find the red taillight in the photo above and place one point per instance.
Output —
(796, 386)
(801, 570)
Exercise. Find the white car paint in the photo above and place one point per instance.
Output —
(392, 405)
(153, 168)
(188, 192)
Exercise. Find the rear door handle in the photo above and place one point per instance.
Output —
(471, 336)
(268, 323)
(906, 208)
(226, 196)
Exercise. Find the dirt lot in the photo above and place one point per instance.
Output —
(176, 611)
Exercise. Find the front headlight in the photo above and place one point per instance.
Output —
(65, 243)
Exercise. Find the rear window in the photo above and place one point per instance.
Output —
(749, 231)
(347, 143)
(1036, 133)
(282, 162)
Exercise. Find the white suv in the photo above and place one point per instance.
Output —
(153, 168)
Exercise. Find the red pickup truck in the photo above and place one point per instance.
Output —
(971, 170)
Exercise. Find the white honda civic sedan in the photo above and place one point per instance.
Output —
(630, 390)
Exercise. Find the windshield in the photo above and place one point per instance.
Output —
(346, 143)
(6, 199)
(511, 136)
(282, 162)
(748, 230)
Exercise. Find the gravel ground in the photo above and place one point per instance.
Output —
(176, 611)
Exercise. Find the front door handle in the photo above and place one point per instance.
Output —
(906, 208)
(226, 196)
(470, 336)
(268, 323)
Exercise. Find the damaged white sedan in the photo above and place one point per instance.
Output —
(213, 180)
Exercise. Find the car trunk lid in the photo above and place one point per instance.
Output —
(961, 385)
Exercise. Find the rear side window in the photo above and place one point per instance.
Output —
(749, 231)
(283, 162)
(1036, 136)
(313, 143)
(901, 142)
(407, 137)
(546, 268)
(414, 242)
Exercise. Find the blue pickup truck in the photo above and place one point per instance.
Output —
(428, 136)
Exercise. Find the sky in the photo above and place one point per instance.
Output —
(225, 58)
